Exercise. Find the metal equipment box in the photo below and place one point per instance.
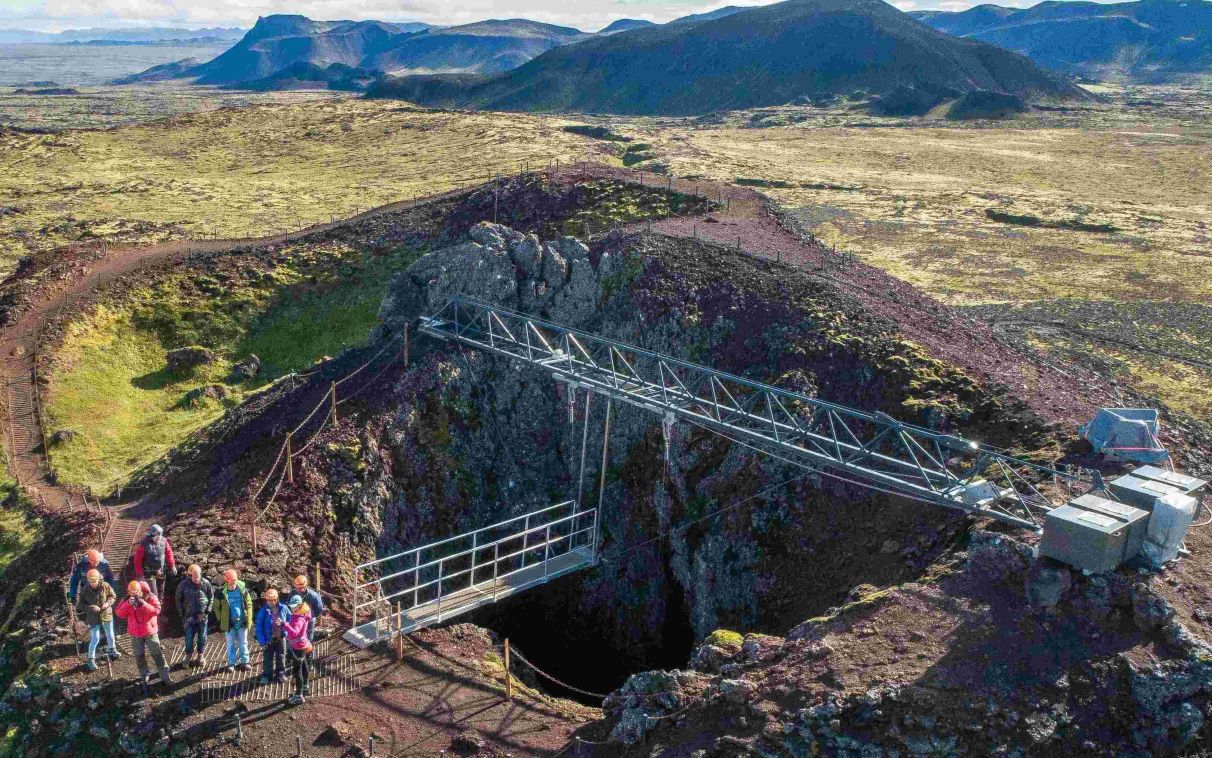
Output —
(1186, 484)
(1094, 534)
(1140, 492)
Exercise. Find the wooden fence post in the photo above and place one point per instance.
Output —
(508, 679)
(290, 467)
(399, 634)
(334, 403)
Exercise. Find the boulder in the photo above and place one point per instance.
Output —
(196, 396)
(61, 436)
(1046, 584)
(336, 734)
(467, 743)
(246, 369)
(188, 358)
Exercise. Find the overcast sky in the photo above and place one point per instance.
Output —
(57, 15)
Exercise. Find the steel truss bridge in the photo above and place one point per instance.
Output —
(425, 585)
(870, 448)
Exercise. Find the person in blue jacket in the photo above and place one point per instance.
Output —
(93, 559)
(270, 626)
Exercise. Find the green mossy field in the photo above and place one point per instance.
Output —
(111, 384)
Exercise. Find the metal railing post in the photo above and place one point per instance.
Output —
(353, 607)
(525, 539)
(496, 564)
(546, 551)
(441, 566)
(416, 579)
(475, 541)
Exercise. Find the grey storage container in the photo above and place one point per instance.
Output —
(1140, 492)
(1186, 484)
(1094, 534)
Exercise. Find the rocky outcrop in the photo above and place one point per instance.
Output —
(554, 279)
(1081, 686)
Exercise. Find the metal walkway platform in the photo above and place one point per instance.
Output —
(431, 584)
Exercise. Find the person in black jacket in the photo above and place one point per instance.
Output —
(194, 596)
(313, 600)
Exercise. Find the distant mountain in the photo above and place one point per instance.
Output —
(156, 35)
(162, 73)
(625, 25)
(1149, 40)
(279, 42)
(755, 57)
(276, 42)
(24, 36)
(483, 47)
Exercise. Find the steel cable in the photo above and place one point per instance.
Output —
(513, 652)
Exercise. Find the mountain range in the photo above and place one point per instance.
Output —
(745, 58)
(279, 42)
(130, 36)
(1144, 41)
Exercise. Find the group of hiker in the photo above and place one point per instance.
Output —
(285, 627)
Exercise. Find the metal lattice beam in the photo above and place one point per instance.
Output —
(871, 446)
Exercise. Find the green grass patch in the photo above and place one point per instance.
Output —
(111, 385)
(18, 530)
(637, 152)
(725, 638)
(601, 204)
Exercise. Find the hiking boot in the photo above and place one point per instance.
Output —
(280, 678)
(165, 678)
(90, 664)
(196, 662)
(263, 681)
(306, 690)
(231, 667)
(244, 667)
(115, 654)
(296, 699)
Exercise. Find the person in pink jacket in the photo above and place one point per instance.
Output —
(141, 608)
(299, 648)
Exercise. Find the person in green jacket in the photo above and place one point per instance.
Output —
(95, 601)
(234, 609)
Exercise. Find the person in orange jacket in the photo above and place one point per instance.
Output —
(141, 608)
(154, 556)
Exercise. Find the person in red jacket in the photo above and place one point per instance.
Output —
(140, 608)
(154, 555)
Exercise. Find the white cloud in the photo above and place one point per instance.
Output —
(55, 15)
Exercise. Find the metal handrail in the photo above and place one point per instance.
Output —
(431, 563)
(443, 577)
(463, 536)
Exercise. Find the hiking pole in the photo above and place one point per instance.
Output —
(71, 615)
